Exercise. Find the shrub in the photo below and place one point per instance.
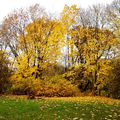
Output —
(59, 86)
(20, 86)
(5, 72)
(56, 86)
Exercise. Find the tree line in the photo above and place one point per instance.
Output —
(74, 53)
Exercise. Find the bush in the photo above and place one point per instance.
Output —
(59, 86)
(114, 82)
(5, 72)
(20, 86)
(56, 86)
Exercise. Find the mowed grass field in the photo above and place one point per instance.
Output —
(76, 108)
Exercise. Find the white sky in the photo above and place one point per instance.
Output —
(6, 6)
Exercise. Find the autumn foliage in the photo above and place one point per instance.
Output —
(62, 56)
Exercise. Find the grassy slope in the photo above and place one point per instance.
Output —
(82, 108)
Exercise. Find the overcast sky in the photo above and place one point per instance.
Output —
(6, 6)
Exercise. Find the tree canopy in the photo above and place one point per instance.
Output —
(80, 47)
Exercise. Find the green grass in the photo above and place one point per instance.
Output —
(51, 109)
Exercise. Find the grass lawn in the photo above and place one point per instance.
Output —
(76, 108)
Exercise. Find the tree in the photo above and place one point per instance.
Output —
(14, 25)
(40, 46)
(114, 84)
(69, 18)
(93, 45)
(5, 72)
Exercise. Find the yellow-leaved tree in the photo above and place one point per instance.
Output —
(40, 47)
(69, 18)
(95, 47)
